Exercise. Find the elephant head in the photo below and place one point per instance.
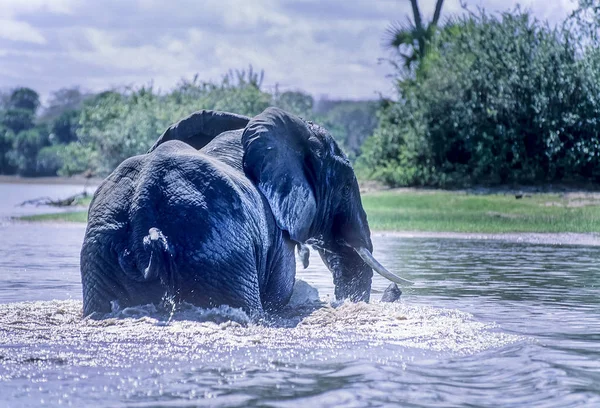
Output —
(314, 196)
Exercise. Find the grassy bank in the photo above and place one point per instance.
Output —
(483, 213)
(78, 215)
(74, 216)
(460, 212)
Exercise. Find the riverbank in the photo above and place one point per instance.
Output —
(462, 212)
(548, 238)
(77, 180)
(496, 213)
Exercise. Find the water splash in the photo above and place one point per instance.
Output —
(150, 353)
(25, 325)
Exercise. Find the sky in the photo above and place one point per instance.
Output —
(329, 48)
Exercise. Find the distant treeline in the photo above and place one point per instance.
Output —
(79, 132)
(487, 99)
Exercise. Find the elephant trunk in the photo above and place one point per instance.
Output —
(351, 276)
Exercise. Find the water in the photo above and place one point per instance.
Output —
(489, 323)
(12, 195)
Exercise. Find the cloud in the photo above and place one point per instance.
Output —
(325, 47)
(13, 8)
(12, 28)
(19, 31)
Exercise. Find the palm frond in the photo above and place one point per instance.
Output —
(399, 34)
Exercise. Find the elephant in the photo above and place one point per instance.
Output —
(213, 213)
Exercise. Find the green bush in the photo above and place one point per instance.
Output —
(498, 99)
(6, 142)
(350, 122)
(77, 158)
(17, 120)
(297, 102)
(118, 126)
(64, 127)
(398, 152)
(96, 133)
(26, 147)
(49, 160)
(65, 160)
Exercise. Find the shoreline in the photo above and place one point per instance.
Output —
(54, 180)
(542, 238)
(366, 186)
(540, 217)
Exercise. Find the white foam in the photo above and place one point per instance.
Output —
(150, 332)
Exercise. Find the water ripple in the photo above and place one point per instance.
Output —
(488, 323)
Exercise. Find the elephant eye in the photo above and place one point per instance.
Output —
(346, 190)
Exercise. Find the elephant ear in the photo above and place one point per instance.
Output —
(201, 127)
(277, 159)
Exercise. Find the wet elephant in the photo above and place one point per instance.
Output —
(212, 214)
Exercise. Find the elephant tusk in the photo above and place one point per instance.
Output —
(377, 267)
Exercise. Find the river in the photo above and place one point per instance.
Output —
(495, 323)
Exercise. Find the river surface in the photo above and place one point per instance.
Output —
(489, 323)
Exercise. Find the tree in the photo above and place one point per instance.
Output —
(6, 142)
(20, 111)
(413, 38)
(24, 98)
(349, 122)
(120, 125)
(64, 128)
(26, 147)
(585, 20)
(296, 102)
(62, 114)
(4, 98)
(17, 120)
(63, 100)
(486, 108)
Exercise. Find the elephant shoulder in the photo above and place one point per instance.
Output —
(227, 148)
(171, 148)
(111, 199)
(128, 169)
(126, 173)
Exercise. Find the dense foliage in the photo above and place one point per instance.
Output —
(33, 144)
(497, 99)
(482, 99)
(350, 122)
(79, 133)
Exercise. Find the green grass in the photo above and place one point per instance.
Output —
(74, 216)
(71, 216)
(84, 201)
(444, 211)
(493, 213)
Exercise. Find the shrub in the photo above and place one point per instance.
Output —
(350, 122)
(76, 158)
(17, 120)
(118, 126)
(64, 127)
(26, 147)
(6, 142)
(498, 99)
(49, 161)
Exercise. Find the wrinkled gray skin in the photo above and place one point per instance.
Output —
(219, 225)
(391, 294)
